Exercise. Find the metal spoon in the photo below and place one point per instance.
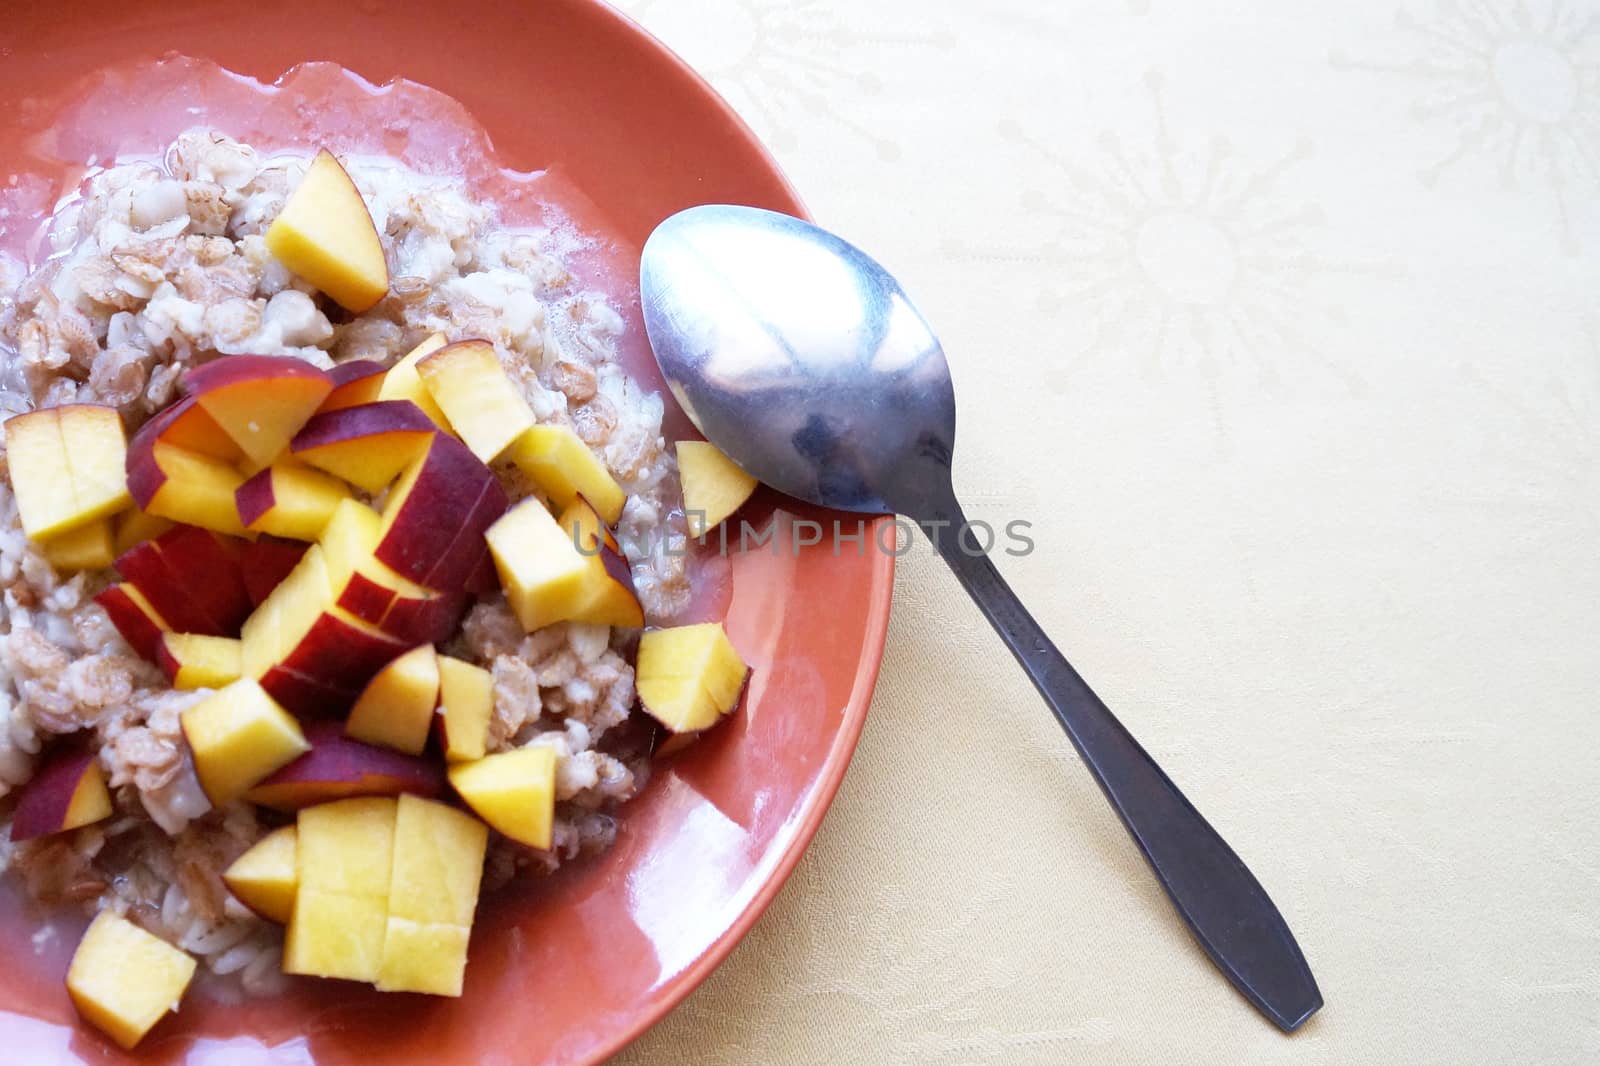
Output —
(803, 360)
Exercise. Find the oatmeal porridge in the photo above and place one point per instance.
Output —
(194, 299)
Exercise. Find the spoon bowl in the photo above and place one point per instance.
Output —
(846, 404)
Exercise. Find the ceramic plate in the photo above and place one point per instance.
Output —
(569, 970)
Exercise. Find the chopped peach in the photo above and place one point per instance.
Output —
(402, 382)
(134, 527)
(191, 660)
(513, 791)
(68, 791)
(357, 381)
(289, 500)
(557, 460)
(260, 401)
(325, 235)
(427, 957)
(338, 767)
(484, 406)
(88, 547)
(396, 708)
(344, 855)
(466, 703)
(713, 487)
(238, 736)
(187, 425)
(433, 892)
(193, 578)
(68, 466)
(435, 515)
(184, 486)
(545, 577)
(611, 599)
(438, 862)
(689, 676)
(264, 878)
(140, 624)
(299, 633)
(367, 445)
(265, 562)
(375, 593)
(124, 980)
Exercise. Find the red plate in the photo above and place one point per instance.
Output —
(570, 970)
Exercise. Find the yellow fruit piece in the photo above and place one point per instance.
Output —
(68, 466)
(344, 852)
(326, 236)
(429, 957)
(433, 893)
(91, 800)
(466, 702)
(513, 791)
(556, 459)
(687, 677)
(402, 382)
(88, 547)
(134, 527)
(713, 487)
(481, 402)
(238, 736)
(290, 500)
(264, 878)
(335, 935)
(545, 577)
(123, 980)
(438, 862)
(197, 489)
(193, 661)
(347, 846)
(396, 708)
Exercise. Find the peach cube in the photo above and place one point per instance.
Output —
(192, 660)
(402, 382)
(556, 459)
(545, 577)
(134, 527)
(438, 862)
(433, 892)
(514, 791)
(238, 736)
(184, 486)
(325, 234)
(344, 852)
(713, 487)
(88, 547)
(396, 707)
(486, 408)
(689, 676)
(67, 792)
(123, 980)
(466, 702)
(260, 401)
(427, 957)
(68, 466)
(289, 500)
(265, 877)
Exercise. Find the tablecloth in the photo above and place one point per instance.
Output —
(1278, 323)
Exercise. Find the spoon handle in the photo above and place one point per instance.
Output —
(1223, 904)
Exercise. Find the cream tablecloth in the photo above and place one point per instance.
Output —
(1279, 323)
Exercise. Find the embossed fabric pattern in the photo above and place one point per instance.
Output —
(1280, 324)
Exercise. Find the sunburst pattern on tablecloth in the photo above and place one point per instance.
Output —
(782, 63)
(1516, 85)
(1178, 254)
